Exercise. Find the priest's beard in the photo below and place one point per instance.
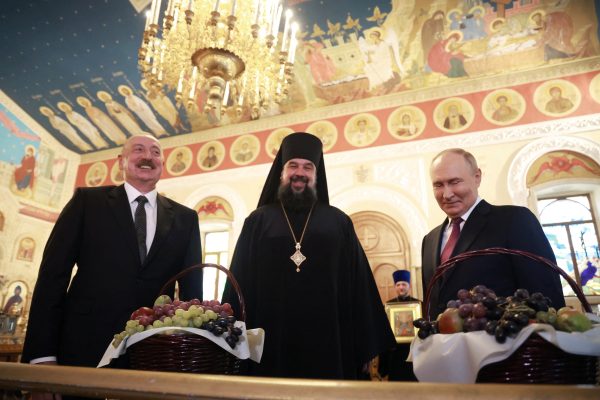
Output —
(296, 201)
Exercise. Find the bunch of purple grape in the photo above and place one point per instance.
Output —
(425, 328)
(480, 309)
(518, 311)
(224, 325)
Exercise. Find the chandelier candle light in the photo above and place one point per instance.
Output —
(230, 48)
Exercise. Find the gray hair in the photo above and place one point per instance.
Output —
(469, 158)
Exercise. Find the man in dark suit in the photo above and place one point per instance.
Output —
(474, 224)
(125, 247)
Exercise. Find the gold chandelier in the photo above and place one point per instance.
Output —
(230, 48)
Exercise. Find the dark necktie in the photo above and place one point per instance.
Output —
(451, 243)
(140, 226)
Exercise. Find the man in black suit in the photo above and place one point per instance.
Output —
(124, 255)
(479, 225)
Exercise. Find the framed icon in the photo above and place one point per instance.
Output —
(401, 317)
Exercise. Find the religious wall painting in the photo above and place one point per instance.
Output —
(211, 155)
(143, 111)
(17, 140)
(120, 113)
(406, 122)
(25, 249)
(489, 38)
(84, 125)
(214, 208)
(381, 59)
(595, 88)
(362, 130)
(96, 174)
(102, 121)
(67, 130)
(116, 174)
(503, 106)
(326, 131)
(50, 173)
(179, 160)
(244, 149)
(562, 164)
(557, 98)
(164, 106)
(13, 305)
(453, 115)
(24, 175)
(274, 140)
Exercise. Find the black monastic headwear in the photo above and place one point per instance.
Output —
(296, 145)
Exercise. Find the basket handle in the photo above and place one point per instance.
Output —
(451, 263)
(227, 272)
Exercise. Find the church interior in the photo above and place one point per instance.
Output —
(385, 85)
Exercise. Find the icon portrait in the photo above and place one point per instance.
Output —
(179, 160)
(245, 149)
(211, 155)
(503, 107)
(453, 115)
(362, 130)
(96, 174)
(406, 122)
(557, 98)
(326, 131)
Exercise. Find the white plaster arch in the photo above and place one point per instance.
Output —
(393, 203)
(517, 172)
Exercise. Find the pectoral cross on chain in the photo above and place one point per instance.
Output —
(298, 258)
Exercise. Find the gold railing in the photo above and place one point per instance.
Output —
(129, 384)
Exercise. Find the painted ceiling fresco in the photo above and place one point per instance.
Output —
(72, 64)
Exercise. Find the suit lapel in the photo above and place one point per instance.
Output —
(119, 206)
(164, 221)
(471, 230)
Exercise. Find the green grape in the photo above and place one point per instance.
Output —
(179, 312)
(198, 321)
(157, 323)
(132, 323)
(131, 330)
(187, 314)
(140, 328)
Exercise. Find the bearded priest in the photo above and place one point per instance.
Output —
(305, 277)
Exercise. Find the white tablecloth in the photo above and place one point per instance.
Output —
(458, 357)
(249, 346)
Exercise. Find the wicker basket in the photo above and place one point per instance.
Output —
(536, 360)
(181, 352)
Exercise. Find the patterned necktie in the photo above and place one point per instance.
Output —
(451, 243)
(140, 226)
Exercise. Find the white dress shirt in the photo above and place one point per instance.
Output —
(150, 207)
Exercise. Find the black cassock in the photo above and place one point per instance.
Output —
(325, 321)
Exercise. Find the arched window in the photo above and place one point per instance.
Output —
(566, 184)
(568, 222)
(216, 217)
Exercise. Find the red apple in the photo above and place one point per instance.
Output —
(449, 321)
(142, 311)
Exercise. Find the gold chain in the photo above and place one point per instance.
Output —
(298, 258)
